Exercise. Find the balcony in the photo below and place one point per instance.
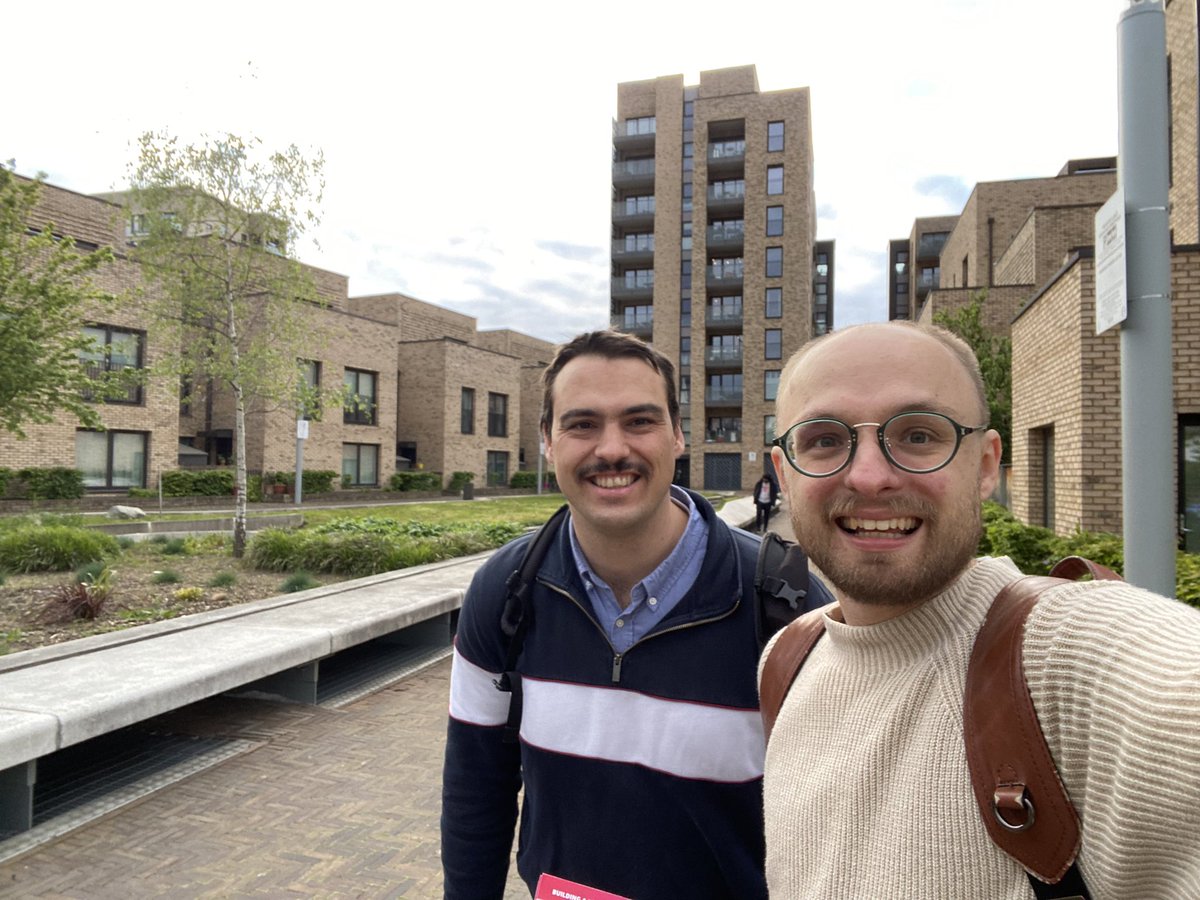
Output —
(726, 196)
(724, 274)
(727, 157)
(629, 251)
(725, 237)
(639, 288)
(723, 358)
(633, 173)
(723, 318)
(722, 435)
(722, 396)
(634, 212)
(633, 139)
(641, 324)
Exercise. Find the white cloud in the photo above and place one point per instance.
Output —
(467, 144)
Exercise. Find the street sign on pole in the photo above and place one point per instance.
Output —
(1112, 304)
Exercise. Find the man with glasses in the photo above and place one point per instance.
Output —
(886, 458)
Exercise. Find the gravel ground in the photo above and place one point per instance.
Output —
(28, 618)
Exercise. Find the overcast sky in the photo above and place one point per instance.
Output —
(468, 145)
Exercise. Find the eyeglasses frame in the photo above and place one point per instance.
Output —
(960, 432)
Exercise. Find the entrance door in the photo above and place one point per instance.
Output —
(1189, 482)
(722, 471)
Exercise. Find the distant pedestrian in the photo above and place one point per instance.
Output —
(765, 492)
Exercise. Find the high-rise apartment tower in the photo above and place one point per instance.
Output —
(714, 254)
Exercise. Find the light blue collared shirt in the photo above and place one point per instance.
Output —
(655, 595)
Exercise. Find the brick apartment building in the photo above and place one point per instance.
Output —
(1031, 243)
(714, 253)
(413, 364)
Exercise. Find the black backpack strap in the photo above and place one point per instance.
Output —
(517, 614)
(783, 586)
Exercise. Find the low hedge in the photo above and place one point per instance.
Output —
(50, 483)
(528, 480)
(415, 481)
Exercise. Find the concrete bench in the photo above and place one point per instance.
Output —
(56, 696)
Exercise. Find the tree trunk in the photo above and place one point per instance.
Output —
(239, 453)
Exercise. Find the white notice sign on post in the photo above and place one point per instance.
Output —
(1111, 301)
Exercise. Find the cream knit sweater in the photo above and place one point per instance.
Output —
(867, 792)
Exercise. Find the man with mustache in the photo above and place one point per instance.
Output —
(641, 748)
(886, 457)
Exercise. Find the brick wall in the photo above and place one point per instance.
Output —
(1181, 50)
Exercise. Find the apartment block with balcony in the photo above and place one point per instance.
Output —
(714, 253)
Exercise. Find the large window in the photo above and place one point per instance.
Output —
(113, 350)
(640, 125)
(774, 221)
(768, 430)
(361, 407)
(774, 262)
(112, 459)
(774, 303)
(773, 343)
(774, 136)
(360, 463)
(466, 416)
(770, 384)
(774, 180)
(497, 415)
(497, 468)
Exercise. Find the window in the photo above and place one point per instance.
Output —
(112, 351)
(466, 416)
(774, 221)
(768, 430)
(685, 389)
(137, 226)
(640, 125)
(822, 264)
(497, 415)
(186, 390)
(685, 243)
(360, 390)
(497, 468)
(689, 107)
(640, 242)
(687, 196)
(770, 384)
(639, 278)
(773, 343)
(360, 462)
(112, 459)
(774, 180)
(774, 262)
(689, 152)
(774, 136)
(774, 304)
(901, 262)
(685, 310)
(640, 205)
(685, 351)
(685, 275)
(310, 388)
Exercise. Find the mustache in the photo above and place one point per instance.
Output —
(617, 468)
(896, 507)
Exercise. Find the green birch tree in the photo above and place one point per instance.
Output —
(216, 226)
(995, 361)
(46, 293)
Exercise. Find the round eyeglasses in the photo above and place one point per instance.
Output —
(917, 442)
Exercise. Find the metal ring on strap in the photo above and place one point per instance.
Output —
(1031, 816)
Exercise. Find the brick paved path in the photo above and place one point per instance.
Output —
(333, 803)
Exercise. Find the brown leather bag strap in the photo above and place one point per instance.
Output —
(783, 664)
(1024, 805)
(1072, 567)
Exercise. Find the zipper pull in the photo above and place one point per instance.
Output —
(616, 672)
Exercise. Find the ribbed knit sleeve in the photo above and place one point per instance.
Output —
(1115, 677)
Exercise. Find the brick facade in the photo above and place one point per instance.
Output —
(727, 108)
(420, 356)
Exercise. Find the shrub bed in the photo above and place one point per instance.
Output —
(370, 545)
(415, 481)
(53, 548)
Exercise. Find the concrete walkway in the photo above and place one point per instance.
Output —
(322, 802)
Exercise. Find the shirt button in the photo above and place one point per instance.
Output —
(653, 601)
(620, 623)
